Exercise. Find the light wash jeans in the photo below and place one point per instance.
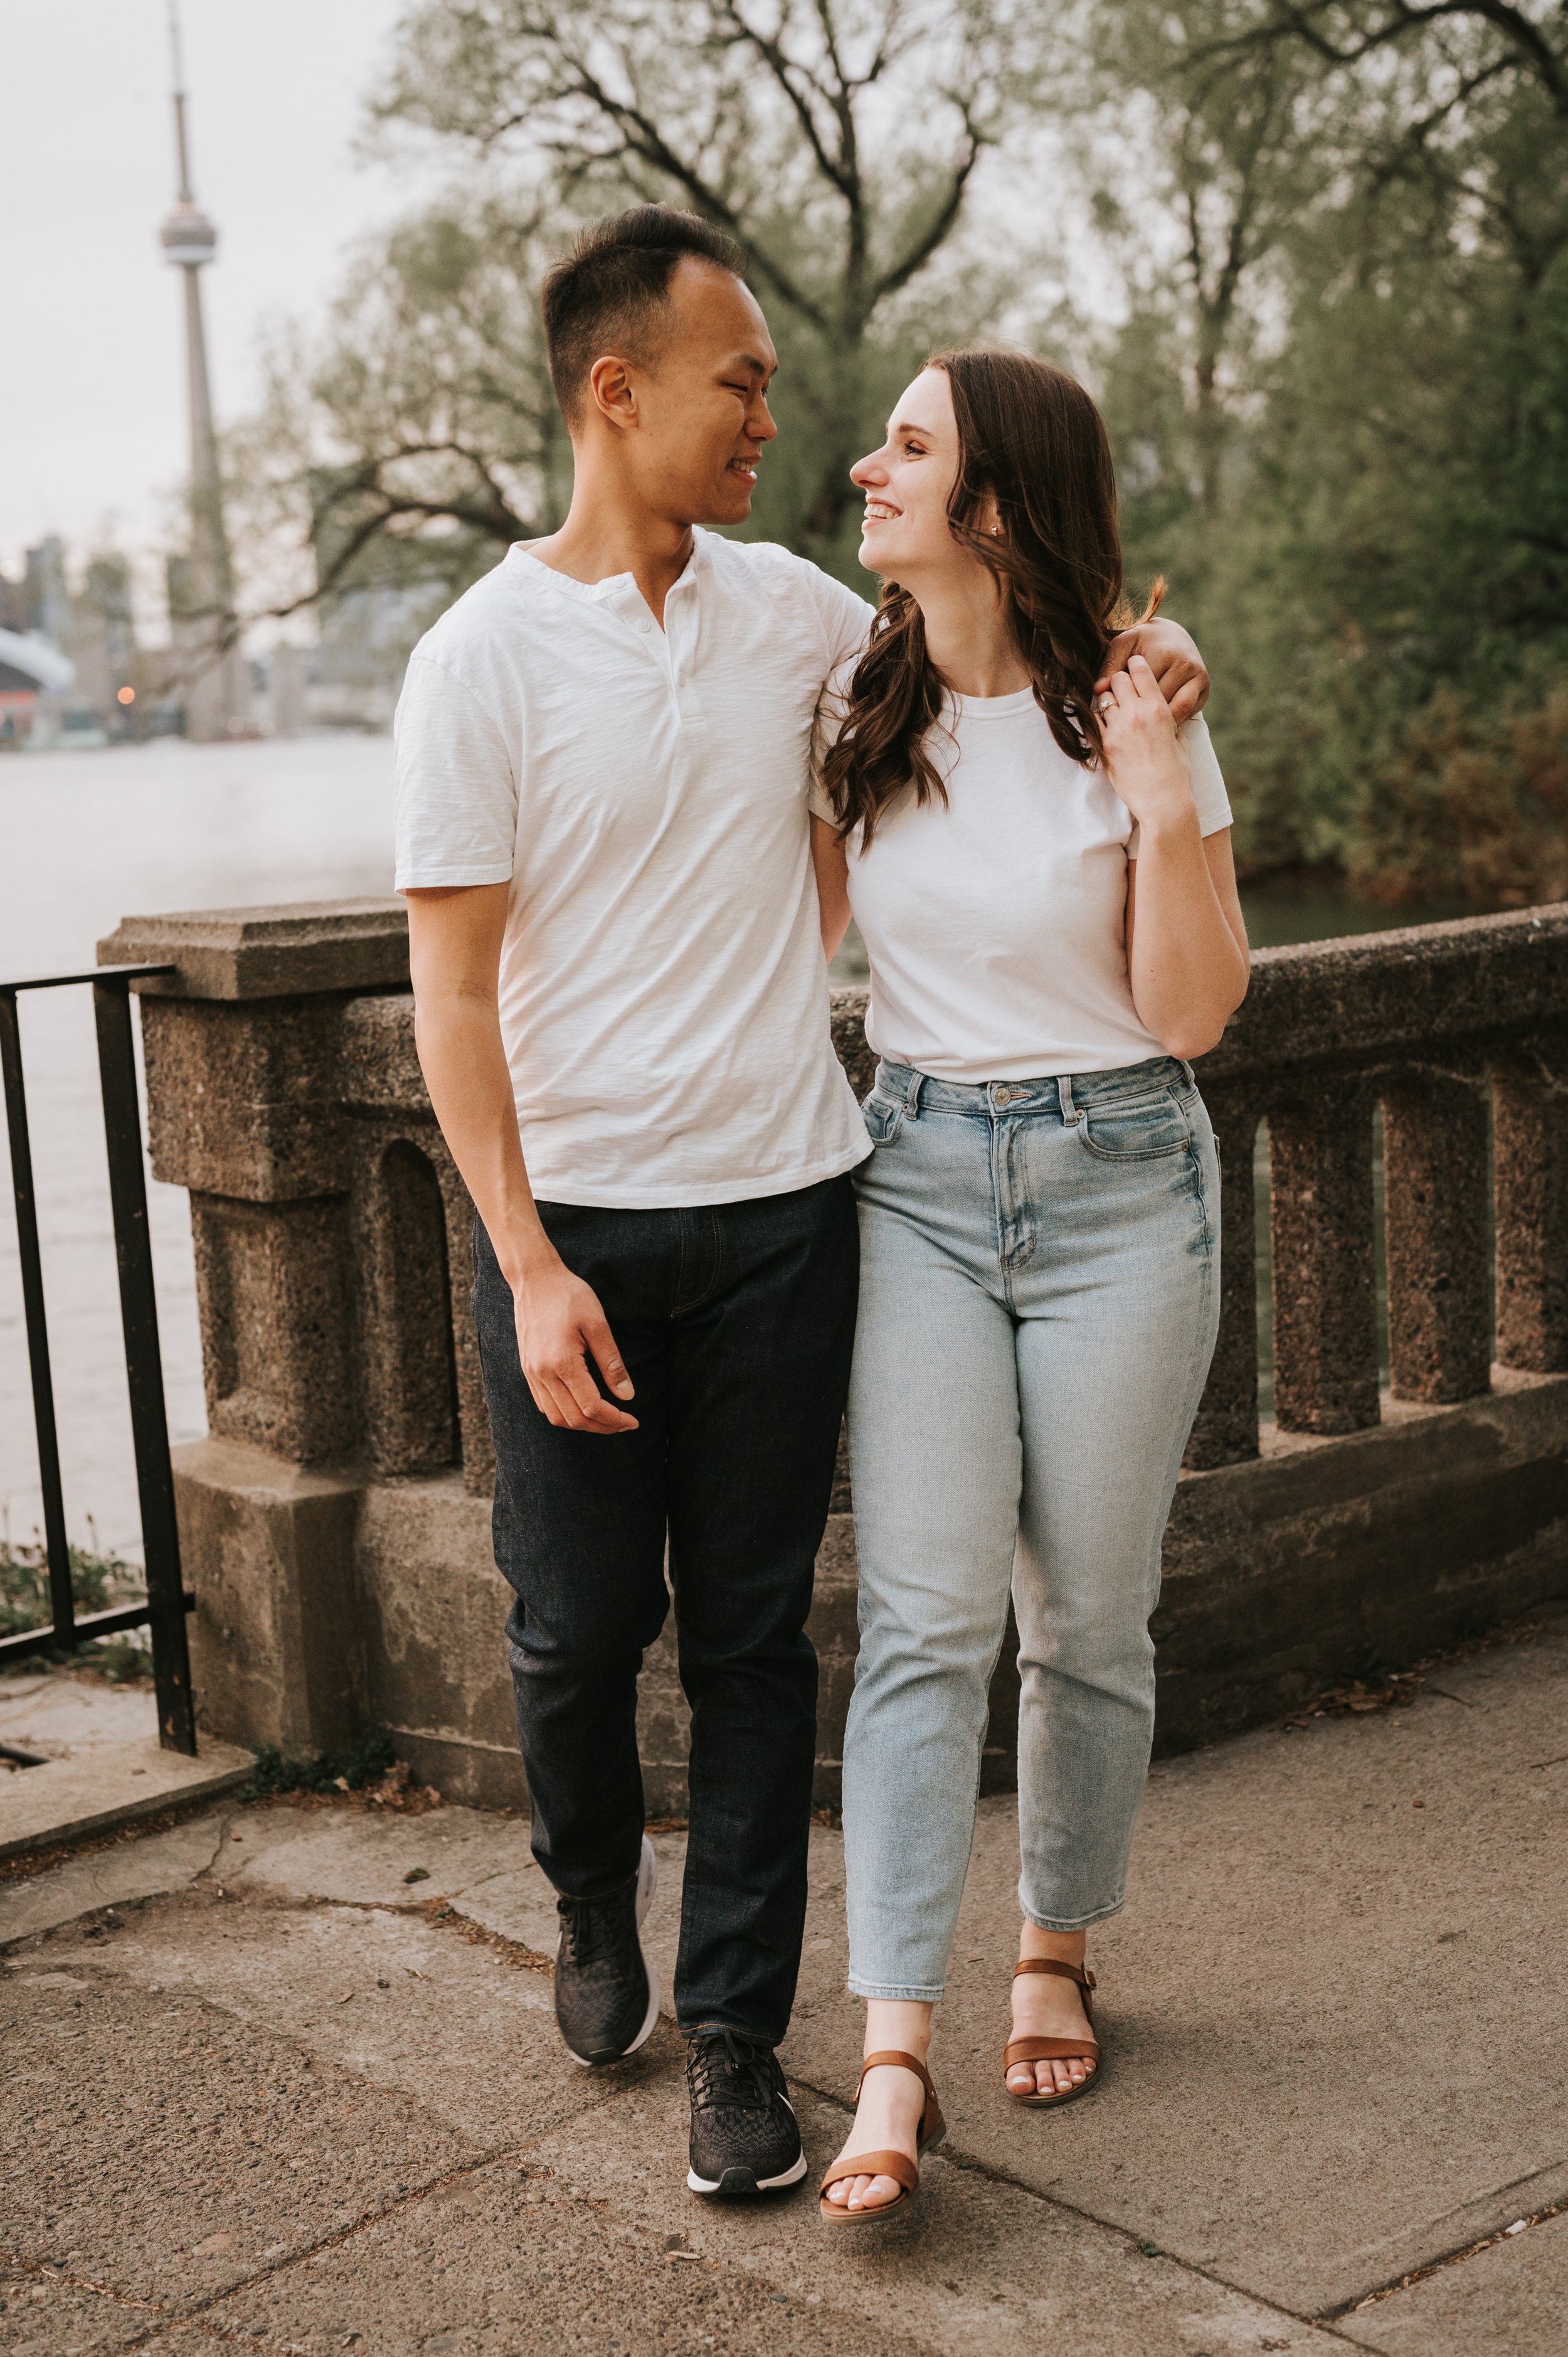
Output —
(1039, 1296)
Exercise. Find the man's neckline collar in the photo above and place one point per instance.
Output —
(614, 584)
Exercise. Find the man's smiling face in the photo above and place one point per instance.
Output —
(702, 415)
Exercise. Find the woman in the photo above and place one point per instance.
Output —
(1039, 864)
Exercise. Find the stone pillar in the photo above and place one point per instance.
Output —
(1225, 1431)
(1531, 1148)
(1325, 1321)
(1434, 1194)
(246, 1109)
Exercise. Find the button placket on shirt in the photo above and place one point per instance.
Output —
(682, 625)
(676, 643)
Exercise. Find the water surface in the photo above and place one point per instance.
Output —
(85, 839)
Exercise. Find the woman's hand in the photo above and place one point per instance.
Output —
(1144, 757)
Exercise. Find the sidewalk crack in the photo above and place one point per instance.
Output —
(1441, 2264)
(973, 2165)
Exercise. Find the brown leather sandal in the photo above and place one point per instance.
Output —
(897, 2164)
(1057, 2049)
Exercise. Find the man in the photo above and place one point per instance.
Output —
(603, 835)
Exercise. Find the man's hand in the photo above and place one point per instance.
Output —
(455, 947)
(1172, 655)
(559, 1325)
(1146, 761)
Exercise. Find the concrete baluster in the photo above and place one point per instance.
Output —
(342, 1563)
(1530, 1147)
(478, 1449)
(1326, 1328)
(1435, 1175)
(410, 1379)
(1225, 1431)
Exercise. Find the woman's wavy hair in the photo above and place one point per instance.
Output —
(1030, 437)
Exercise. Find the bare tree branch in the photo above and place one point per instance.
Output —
(1304, 20)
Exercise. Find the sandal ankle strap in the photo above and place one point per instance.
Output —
(1077, 1973)
(907, 2061)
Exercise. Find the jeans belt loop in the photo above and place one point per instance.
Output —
(1070, 1115)
(912, 1094)
(1186, 1068)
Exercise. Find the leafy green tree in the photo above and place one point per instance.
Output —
(416, 435)
(837, 140)
(1364, 509)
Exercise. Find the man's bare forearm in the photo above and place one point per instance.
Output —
(465, 1070)
(455, 945)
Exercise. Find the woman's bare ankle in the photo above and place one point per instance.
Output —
(1062, 1947)
(897, 2025)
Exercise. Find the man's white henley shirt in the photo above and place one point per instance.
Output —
(644, 791)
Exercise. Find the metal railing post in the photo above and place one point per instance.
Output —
(61, 1601)
(144, 1364)
(168, 1600)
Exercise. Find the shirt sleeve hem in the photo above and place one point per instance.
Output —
(432, 879)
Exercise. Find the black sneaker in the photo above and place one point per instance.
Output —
(744, 2138)
(606, 1991)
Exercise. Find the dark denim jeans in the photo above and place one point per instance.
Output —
(737, 1321)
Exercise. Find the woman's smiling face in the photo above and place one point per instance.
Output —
(908, 484)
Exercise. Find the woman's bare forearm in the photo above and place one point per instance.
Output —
(831, 867)
(1186, 957)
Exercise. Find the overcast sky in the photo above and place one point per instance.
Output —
(92, 426)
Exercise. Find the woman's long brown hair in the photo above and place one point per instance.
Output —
(1030, 437)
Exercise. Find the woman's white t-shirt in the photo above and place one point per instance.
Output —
(996, 926)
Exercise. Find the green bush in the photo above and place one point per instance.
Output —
(99, 1581)
(1472, 806)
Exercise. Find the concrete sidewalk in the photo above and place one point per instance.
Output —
(287, 2079)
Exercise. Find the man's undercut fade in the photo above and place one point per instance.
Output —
(609, 293)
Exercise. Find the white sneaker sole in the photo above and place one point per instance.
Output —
(647, 1883)
(792, 2176)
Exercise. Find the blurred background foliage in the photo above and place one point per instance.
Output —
(1309, 254)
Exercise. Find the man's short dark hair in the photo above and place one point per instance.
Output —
(606, 294)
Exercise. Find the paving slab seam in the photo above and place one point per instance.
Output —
(33, 1865)
(438, 1914)
(957, 2158)
(164, 2319)
(1439, 2266)
(42, 2273)
(22, 1940)
(198, 2310)
(477, 1935)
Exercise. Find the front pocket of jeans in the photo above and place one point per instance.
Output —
(1141, 1129)
(881, 1117)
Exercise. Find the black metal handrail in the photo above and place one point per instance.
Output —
(167, 1600)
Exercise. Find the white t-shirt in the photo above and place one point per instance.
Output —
(663, 997)
(996, 927)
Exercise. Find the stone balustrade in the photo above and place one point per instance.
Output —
(335, 1522)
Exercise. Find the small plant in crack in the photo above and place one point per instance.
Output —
(371, 1759)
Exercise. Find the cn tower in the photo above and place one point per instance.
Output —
(201, 588)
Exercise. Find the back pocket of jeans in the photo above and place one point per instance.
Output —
(1137, 1129)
